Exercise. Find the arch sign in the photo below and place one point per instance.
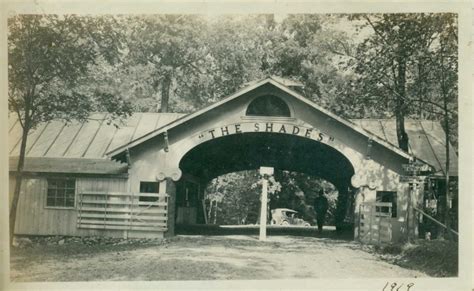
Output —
(265, 127)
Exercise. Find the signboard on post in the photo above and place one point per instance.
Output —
(264, 171)
(413, 172)
(416, 168)
(410, 179)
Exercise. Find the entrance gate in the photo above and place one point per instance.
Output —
(375, 226)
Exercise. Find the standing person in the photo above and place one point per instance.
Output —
(321, 207)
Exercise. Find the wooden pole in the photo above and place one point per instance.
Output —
(436, 221)
(263, 210)
(410, 189)
(265, 172)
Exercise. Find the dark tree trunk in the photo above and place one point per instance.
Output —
(446, 202)
(18, 180)
(402, 136)
(401, 133)
(165, 93)
(421, 89)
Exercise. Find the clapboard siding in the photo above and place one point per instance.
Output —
(103, 184)
(34, 218)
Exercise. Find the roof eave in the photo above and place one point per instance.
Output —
(183, 119)
(343, 121)
(270, 80)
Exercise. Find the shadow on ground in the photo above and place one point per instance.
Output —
(202, 229)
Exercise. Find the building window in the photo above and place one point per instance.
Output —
(268, 106)
(150, 188)
(388, 196)
(61, 193)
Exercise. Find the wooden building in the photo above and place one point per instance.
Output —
(142, 178)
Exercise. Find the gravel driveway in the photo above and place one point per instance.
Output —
(203, 258)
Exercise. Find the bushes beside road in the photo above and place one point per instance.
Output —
(438, 258)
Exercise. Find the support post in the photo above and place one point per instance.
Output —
(408, 216)
(263, 211)
(412, 221)
(167, 186)
(265, 172)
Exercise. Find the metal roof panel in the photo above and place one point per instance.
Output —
(11, 122)
(14, 137)
(46, 139)
(32, 138)
(122, 136)
(86, 135)
(101, 140)
(426, 140)
(147, 124)
(388, 126)
(64, 140)
(436, 137)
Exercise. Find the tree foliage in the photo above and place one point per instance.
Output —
(193, 61)
(208, 59)
(49, 58)
(235, 198)
(394, 66)
(172, 47)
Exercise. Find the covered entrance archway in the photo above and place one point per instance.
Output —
(249, 151)
(269, 124)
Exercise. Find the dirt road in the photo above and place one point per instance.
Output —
(203, 258)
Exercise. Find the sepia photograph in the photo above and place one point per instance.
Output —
(203, 147)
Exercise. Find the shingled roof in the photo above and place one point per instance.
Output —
(93, 139)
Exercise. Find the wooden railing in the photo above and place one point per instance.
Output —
(375, 225)
(122, 211)
(435, 221)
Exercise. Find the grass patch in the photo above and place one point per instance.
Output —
(437, 258)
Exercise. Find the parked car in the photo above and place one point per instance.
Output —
(285, 216)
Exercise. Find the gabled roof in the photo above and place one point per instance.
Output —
(269, 80)
(283, 81)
